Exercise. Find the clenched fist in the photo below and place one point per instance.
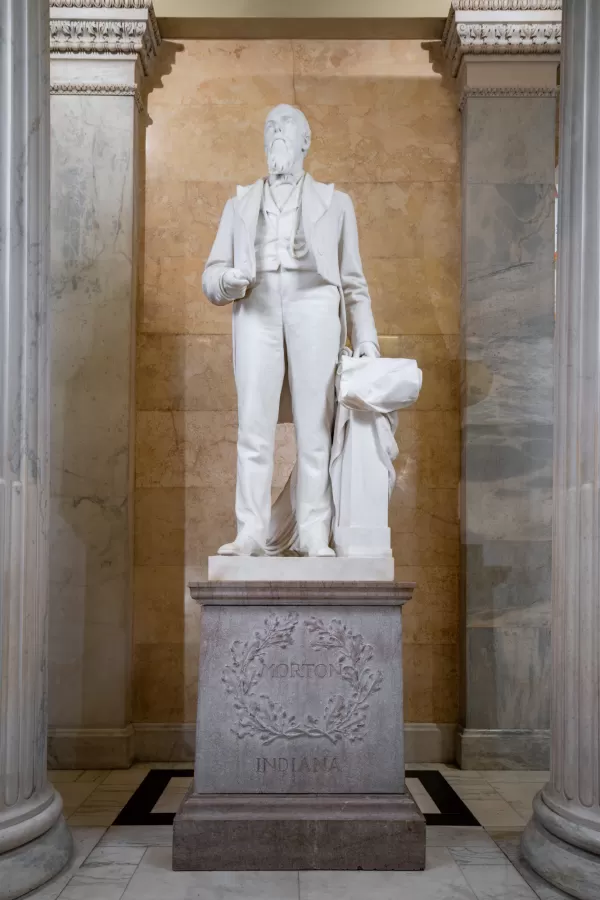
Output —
(234, 284)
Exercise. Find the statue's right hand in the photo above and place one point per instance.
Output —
(234, 283)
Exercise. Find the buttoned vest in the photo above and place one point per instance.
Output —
(280, 241)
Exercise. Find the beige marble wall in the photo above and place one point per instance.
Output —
(385, 129)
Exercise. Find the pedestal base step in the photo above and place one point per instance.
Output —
(300, 568)
(267, 832)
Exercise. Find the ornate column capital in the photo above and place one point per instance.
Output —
(497, 28)
(120, 38)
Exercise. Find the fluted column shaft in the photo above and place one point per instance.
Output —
(34, 841)
(563, 840)
(576, 573)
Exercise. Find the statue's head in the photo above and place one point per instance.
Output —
(287, 139)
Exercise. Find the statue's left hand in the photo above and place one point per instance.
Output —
(368, 349)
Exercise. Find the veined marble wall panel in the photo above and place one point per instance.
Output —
(94, 260)
(508, 325)
(386, 130)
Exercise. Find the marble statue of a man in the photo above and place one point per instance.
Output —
(286, 255)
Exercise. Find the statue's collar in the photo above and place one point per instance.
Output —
(316, 200)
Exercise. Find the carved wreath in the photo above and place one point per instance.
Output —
(344, 716)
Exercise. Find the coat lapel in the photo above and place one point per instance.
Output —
(249, 199)
(316, 200)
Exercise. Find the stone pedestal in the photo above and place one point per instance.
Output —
(299, 741)
(35, 842)
(361, 525)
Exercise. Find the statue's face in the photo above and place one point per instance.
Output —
(285, 140)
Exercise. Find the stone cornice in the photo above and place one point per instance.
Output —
(499, 5)
(99, 28)
(98, 89)
(500, 27)
(101, 4)
(467, 92)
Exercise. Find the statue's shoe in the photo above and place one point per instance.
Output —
(319, 550)
(244, 545)
(314, 541)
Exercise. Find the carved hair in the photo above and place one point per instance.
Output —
(306, 132)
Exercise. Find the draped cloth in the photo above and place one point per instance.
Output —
(380, 387)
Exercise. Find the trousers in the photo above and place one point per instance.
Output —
(291, 314)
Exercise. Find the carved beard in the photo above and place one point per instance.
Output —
(280, 157)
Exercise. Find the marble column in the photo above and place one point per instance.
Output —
(34, 840)
(562, 841)
(101, 54)
(505, 57)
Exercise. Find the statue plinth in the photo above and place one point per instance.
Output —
(299, 568)
(299, 741)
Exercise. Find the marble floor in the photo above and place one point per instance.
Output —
(133, 862)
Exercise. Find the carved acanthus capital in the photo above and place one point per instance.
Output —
(100, 28)
(499, 27)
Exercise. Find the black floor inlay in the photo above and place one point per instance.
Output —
(452, 811)
(138, 811)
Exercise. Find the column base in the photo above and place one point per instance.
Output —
(562, 864)
(33, 864)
